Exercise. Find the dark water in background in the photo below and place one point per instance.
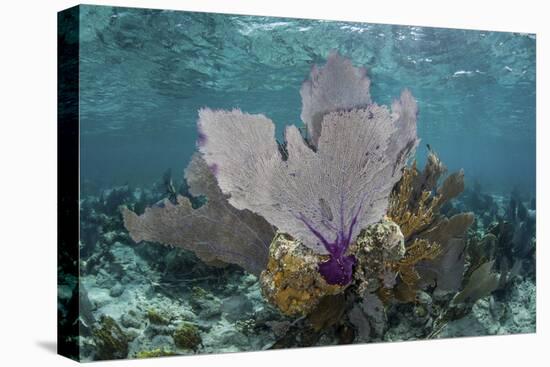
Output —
(145, 73)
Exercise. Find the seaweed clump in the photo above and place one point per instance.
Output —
(156, 317)
(187, 336)
(155, 353)
(110, 340)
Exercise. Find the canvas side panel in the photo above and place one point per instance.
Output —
(68, 182)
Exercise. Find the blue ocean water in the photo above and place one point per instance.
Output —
(145, 73)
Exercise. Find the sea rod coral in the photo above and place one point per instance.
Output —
(434, 243)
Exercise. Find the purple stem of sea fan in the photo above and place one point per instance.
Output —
(338, 269)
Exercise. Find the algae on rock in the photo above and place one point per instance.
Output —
(375, 247)
(292, 281)
(155, 353)
(157, 318)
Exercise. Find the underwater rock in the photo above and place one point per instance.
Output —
(111, 237)
(207, 305)
(360, 322)
(374, 248)
(237, 307)
(178, 260)
(292, 281)
(163, 279)
(246, 326)
(162, 341)
(129, 320)
(145, 346)
(516, 314)
(225, 336)
(279, 328)
(386, 235)
(423, 311)
(116, 290)
(85, 310)
(368, 317)
(328, 312)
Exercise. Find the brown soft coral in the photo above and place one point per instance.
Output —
(431, 239)
(412, 215)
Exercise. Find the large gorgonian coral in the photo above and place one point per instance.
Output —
(334, 223)
(328, 186)
(216, 232)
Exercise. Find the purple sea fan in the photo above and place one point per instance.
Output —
(216, 232)
(322, 196)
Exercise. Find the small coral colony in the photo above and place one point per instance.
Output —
(336, 220)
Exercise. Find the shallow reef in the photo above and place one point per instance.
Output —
(135, 285)
(333, 236)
